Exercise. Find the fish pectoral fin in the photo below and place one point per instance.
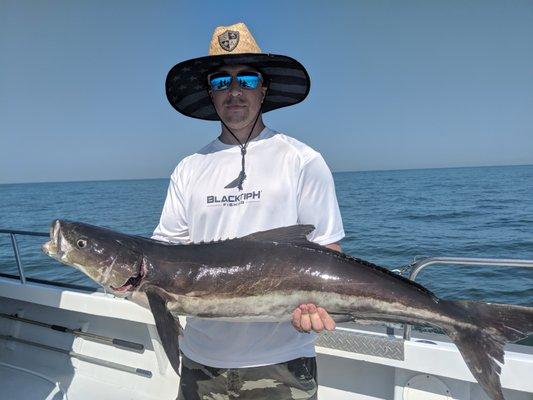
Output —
(168, 327)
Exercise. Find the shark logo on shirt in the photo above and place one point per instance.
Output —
(237, 182)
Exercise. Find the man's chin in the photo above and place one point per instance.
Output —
(235, 121)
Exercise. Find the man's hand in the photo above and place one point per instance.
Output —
(309, 317)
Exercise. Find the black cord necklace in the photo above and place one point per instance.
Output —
(242, 175)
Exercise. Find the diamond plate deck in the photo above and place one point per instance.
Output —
(363, 343)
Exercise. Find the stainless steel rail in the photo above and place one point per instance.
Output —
(98, 361)
(418, 266)
(116, 342)
(22, 277)
(12, 233)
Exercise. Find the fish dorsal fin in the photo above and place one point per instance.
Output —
(294, 234)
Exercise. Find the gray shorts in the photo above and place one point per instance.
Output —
(291, 380)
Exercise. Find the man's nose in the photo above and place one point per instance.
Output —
(235, 89)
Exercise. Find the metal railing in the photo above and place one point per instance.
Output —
(418, 266)
(22, 277)
(13, 234)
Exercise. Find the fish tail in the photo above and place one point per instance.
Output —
(483, 330)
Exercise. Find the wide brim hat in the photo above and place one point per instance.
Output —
(186, 84)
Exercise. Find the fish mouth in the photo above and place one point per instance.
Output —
(134, 281)
(50, 249)
(53, 248)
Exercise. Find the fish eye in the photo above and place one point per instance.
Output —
(81, 243)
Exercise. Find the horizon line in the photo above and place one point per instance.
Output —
(333, 172)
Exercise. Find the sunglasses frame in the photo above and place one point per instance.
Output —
(233, 77)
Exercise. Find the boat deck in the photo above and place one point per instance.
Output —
(354, 362)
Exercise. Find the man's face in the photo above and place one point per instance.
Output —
(236, 106)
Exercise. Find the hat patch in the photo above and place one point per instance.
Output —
(228, 40)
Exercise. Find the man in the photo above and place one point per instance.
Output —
(249, 179)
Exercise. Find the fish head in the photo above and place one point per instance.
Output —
(110, 258)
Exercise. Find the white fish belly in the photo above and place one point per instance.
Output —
(273, 306)
(279, 305)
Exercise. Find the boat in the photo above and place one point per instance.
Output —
(66, 341)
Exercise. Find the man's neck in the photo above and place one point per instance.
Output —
(242, 133)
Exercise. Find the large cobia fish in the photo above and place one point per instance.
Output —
(266, 275)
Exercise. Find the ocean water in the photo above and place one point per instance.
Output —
(389, 218)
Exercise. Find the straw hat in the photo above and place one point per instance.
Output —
(186, 84)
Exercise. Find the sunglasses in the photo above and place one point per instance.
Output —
(219, 81)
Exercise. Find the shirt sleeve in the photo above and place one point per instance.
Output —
(317, 202)
(173, 226)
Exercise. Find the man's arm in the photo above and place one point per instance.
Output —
(308, 317)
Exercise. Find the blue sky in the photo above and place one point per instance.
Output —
(395, 84)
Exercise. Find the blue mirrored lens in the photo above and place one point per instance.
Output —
(248, 81)
(220, 82)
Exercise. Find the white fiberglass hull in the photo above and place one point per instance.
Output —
(354, 362)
